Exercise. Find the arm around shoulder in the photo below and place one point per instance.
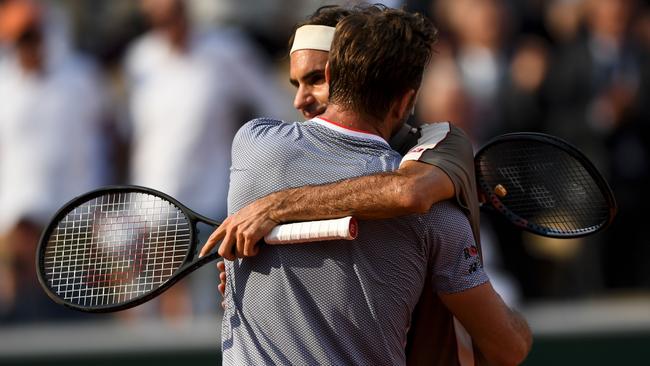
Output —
(411, 189)
(440, 167)
(423, 185)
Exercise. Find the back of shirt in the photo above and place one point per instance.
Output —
(333, 302)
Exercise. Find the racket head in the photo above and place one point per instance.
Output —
(114, 248)
(544, 185)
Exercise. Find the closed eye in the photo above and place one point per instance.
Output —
(314, 77)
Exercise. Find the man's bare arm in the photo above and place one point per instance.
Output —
(411, 189)
(501, 334)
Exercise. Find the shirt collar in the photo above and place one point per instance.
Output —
(348, 131)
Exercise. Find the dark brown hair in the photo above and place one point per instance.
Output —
(376, 56)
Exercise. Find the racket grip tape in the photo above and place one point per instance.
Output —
(345, 228)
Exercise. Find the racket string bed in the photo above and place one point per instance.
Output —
(114, 248)
(119, 246)
(547, 186)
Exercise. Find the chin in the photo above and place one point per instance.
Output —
(312, 114)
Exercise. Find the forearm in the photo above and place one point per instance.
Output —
(412, 189)
(520, 325)
(517, 340)
(369, 197)
(519, 343)
(501, 334)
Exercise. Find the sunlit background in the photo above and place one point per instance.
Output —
(102, 92)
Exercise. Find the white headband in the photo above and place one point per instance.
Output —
(313, 37)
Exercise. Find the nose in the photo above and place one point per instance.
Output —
(303, 99)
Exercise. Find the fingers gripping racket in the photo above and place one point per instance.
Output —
(117, 247)
(544, 185)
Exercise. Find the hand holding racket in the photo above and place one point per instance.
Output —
(240, 232)
(117, 247)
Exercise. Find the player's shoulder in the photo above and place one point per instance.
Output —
(264, 141)
(437, 132)
(259, 130)
(443, 126)
(441, 140)
(446, 218)
(446, 138)
(459, 133)
(447, 208)
(263, 126)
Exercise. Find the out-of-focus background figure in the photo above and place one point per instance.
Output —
(189, 89)
(51, 145)
(151, 92)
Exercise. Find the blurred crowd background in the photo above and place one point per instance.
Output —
(151, 93)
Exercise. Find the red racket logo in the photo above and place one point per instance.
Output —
(354, 228)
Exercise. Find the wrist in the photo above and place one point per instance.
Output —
(276, 208)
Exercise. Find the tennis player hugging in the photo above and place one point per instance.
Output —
(350, 302)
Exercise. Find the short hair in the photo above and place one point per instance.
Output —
(378, 54)
(328, 15)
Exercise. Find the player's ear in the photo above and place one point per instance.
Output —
(327, 73)
(404, 105)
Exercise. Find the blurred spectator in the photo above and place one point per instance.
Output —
(521, 99)
(189, 91)
(479, 30)
(50, 145)
(527, 17)
(581, 76)
(563, 18)
(594, 81)
(267, 22)
(443, 96)
(591, 99)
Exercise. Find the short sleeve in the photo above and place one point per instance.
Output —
(256, 140)
(456, 263)
(448, 148)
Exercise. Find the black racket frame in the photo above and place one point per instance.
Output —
(494, 203)
(188, 265)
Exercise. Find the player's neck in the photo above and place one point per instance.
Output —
(355, 121)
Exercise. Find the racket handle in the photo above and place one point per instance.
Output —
(345, 228)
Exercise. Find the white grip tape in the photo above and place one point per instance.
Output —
(302, 232)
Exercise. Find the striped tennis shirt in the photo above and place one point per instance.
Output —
(337, 302)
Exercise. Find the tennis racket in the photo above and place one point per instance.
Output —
(117, 247)
(544, 185)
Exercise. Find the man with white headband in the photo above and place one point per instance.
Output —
(452, 158)
(440, 167)
(313, 37)
(431, 172)
(308, 55)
